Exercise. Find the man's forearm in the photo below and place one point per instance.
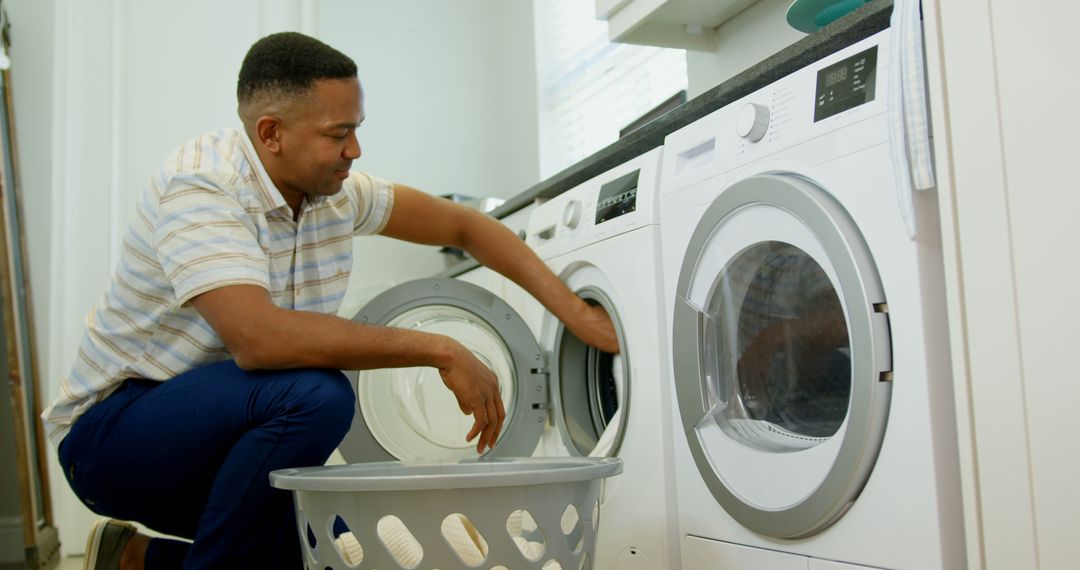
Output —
(295, 339)
(495, 246)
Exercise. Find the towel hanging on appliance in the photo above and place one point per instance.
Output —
(909, 125)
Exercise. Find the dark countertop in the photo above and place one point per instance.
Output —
(860, 24)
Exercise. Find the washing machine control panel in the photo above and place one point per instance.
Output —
(846, 84)
(617, 201)
(617, 197)
(841, 93)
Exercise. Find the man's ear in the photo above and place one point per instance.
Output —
(268, 132)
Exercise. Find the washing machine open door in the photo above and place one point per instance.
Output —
(590, 388)
(409, 414)
(782, 355)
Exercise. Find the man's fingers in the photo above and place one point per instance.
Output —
(478, 426)
(500, 415)
(485, 435)
(494, 422)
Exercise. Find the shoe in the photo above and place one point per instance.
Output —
(106, 542)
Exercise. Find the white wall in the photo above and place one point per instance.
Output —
(444, 90)
(1004, 85)
(115, 85)
(756, 33)
(450, 101)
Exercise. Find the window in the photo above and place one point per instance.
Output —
(589, 87)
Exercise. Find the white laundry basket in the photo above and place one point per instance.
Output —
(503, 514)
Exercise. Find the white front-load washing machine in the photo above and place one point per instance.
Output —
(602, 239)
(562, 397)
(808, 336)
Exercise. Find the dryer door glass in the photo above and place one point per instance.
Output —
(780, 348)
(410, 411)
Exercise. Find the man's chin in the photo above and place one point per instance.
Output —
(331, 189)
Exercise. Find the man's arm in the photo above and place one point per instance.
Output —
(260, 335)
(421, 218)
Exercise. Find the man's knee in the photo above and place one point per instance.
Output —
(329, 395)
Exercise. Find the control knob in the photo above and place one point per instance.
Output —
(753, 122)
(572, 214)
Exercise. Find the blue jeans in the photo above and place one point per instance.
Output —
(190, 457)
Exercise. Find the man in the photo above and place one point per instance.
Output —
(213, 358)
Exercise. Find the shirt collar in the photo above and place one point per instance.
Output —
(272, 198)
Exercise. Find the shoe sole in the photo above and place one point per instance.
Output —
(94, 541)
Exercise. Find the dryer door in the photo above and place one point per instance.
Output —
(409, 414)
(782, 355)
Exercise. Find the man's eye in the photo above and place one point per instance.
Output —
(340, 137)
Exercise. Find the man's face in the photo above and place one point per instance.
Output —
(318, 140)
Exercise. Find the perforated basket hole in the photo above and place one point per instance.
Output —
(526, 534)
(585, 563)
(310, 541)
(345, 542)
(551, 565)
(400, 542)
(465, 539)
(571, 528)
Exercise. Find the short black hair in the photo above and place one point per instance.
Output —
(289, 63)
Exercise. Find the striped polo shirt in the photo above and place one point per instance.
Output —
(211, 217)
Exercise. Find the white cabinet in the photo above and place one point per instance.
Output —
(682, 24)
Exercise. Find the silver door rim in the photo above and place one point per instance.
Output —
(522, 431)
(595, 294)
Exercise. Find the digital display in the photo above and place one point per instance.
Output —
(617, 197)
(846, 84)
(836, 77)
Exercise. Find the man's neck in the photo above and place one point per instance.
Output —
(293, 198)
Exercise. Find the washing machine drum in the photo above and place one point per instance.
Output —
(409, 414)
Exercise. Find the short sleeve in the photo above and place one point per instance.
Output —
(204, 239)
(374, 201)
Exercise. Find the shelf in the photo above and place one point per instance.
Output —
(681, 24)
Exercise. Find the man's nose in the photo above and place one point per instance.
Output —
(352, 150)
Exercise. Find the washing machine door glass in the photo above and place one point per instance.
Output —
(409, 413)
(782, 355)
(778, 357)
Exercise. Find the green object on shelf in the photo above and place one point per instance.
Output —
(811, 15)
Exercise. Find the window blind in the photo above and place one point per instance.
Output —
(589, 87)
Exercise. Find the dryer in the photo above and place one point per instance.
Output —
(808, 338)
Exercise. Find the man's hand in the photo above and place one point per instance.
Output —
(477, 391)
(593, 326)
